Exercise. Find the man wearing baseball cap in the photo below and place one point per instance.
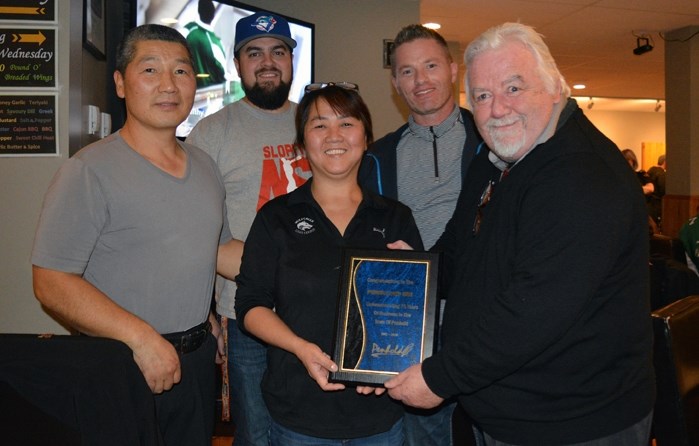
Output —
(252, 141)
(262, 24)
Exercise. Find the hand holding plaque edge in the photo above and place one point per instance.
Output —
(318, 364)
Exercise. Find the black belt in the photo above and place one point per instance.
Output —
(190, 340)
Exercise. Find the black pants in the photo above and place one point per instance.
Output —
(637, 434)
(186, 412)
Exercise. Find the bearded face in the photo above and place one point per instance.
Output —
(267, 95)
(266, 70)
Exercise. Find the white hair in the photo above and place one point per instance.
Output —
(497, 36)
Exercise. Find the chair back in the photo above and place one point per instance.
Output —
(667, 247)
(676, 361)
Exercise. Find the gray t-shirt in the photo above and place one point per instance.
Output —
(255, 153)
(146, 239)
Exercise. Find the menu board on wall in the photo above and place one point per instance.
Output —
(37, 10)
(28, 125)
(27, 57)
(28, 67)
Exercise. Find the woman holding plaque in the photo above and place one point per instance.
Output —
(289, 278)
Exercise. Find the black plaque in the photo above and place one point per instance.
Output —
(386, 318)
(28, 10)
(27, 125)
(27, 57)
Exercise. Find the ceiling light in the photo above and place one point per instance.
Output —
(658, 106)
(168, 21)
(579, 86)
(642, 46)
(590, 104)
(432, 25)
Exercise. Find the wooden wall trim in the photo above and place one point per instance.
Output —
(677, 209)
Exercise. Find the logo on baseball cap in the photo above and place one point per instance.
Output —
(262, 24)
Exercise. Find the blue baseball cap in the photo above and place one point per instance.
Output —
(262, 24)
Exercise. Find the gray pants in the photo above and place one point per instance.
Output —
(635, 435)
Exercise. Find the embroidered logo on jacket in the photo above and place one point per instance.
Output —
(304, 226)
(381, 231)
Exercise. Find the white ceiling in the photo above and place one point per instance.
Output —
(591, 40)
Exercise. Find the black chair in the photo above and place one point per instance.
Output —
(25, 424)
(670, 278)
(676, 361)
(668, 247)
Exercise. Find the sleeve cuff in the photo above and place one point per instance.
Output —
(435, 375)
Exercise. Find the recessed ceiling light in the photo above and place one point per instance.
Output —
(432, 25)
(168, 21)
(579, 86)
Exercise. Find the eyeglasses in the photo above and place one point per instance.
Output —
(320, 85)
(485, 199)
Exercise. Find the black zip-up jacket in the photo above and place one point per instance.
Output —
(547, 335)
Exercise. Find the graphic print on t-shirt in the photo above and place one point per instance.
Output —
(284, 168)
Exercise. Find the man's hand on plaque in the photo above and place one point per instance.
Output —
(319, 365)
(368, 390)
(410, 388)
(399, 244)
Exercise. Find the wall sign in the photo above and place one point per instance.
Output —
(35, 10)
(28, 125)
(27, 57)
(94, 27)
(28, 64)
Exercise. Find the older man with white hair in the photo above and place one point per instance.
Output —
(546, 336)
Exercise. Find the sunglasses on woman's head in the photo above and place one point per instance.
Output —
(320, 85)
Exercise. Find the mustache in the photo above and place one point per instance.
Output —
(268, 70)
(501, 122)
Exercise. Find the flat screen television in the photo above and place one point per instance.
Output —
(213, 94)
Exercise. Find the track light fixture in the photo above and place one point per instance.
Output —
(658, 106)
(642, 46)
(590, 104)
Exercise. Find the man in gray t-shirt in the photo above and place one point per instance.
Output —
(252, 141)
(130, 234)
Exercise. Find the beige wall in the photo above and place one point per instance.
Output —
(349, 46)
(630, 129)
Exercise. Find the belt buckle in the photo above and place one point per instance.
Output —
(192, 340)
(185, 343)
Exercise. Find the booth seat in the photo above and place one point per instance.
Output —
(676, 362)
(670, 278)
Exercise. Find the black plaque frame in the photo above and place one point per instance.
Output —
(352, 332)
